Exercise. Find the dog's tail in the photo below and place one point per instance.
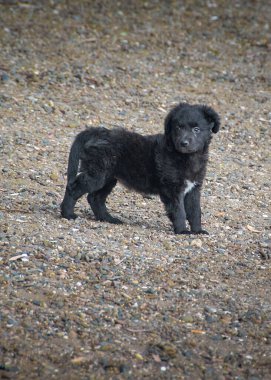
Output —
(75, 153)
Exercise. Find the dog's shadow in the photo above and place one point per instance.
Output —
(128, 217)
(138, 210)
(133, 209)
(131, 218)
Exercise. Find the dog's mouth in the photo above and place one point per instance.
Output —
(185, 150)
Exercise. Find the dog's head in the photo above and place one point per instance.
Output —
(188, 128)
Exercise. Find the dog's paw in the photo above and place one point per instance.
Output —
(200, 232)
(187, 232)
(68, 216)
(115, 221)
(184, 232)
(110, 219)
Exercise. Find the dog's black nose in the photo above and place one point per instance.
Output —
(184, 143)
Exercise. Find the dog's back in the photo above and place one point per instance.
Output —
(124, 155)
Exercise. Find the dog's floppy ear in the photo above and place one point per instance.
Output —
(170, 115)
(212, 117)
(168, 121)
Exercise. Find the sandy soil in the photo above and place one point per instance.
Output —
(88, 300)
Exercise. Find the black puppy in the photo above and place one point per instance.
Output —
(172, 165)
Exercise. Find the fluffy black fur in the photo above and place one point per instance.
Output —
(172, 165)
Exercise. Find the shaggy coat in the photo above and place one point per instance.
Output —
(171, 165)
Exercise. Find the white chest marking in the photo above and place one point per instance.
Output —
(189, 186)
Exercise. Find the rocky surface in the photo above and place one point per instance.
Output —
(88, 300)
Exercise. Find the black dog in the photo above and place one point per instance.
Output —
(172, 165)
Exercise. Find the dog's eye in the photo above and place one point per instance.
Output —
(196, 129)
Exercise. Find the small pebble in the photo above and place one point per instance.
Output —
(4, 77)
(210, 309)
(196, 243)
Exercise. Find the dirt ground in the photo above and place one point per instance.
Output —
(89, 300)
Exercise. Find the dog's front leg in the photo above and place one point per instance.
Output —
(174, 206)
(193, 210)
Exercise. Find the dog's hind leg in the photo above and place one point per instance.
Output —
(97, 203)
(82, 184)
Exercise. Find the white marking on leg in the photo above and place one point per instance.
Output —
(189, 186)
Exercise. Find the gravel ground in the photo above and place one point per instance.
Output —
(89, 300)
